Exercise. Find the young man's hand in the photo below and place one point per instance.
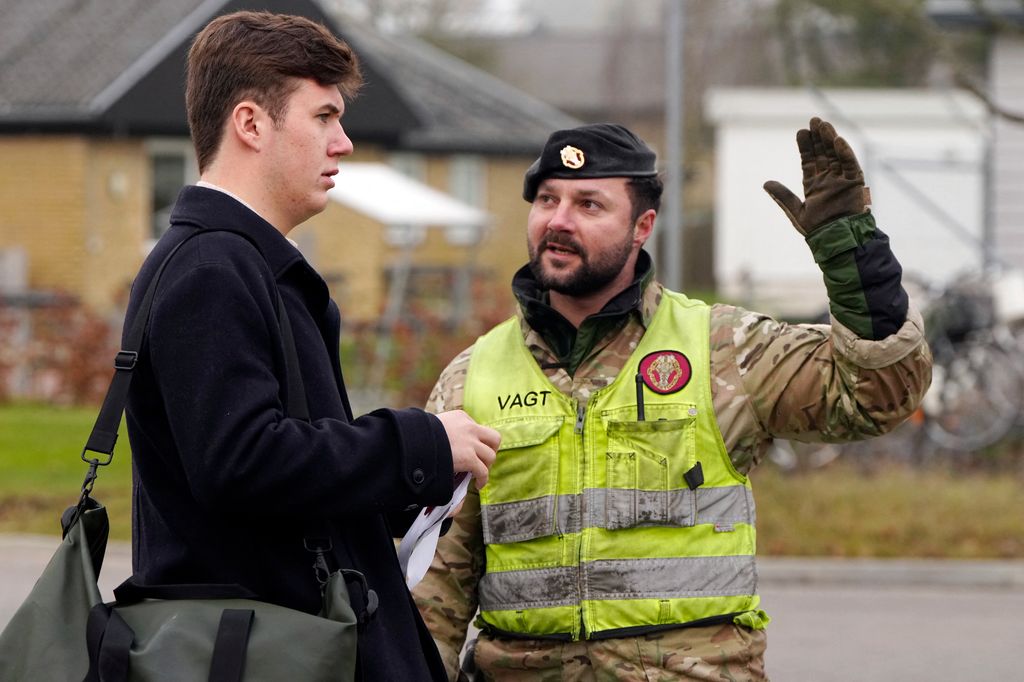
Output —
(474, 446)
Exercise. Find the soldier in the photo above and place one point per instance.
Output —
(615, 537)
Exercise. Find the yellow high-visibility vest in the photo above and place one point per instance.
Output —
(620, 517)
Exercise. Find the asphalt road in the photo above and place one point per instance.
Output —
(882, 634)
(832, 620)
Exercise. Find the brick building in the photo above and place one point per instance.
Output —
(94, 147)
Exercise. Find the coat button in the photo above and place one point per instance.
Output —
(417, 476)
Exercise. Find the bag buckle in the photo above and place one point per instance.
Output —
(94, 464)
(125, 360)
(87, 484)
(319, 547)
(370, 598)
(95, 461)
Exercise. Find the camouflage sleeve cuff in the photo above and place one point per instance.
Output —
(869, 354)
(862, 276)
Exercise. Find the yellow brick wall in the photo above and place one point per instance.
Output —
(41, 202)
(346, 245)
(347, 249)
(78, 209)
(502, 249)
(116, 220)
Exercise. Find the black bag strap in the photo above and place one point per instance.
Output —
(109, 641)
(103, 436)
(104, 432)
(228, 661)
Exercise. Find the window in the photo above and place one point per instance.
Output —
(443, 291)
(467, 181)
(173, 166)
(415, 167)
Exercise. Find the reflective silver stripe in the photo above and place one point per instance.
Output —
(615, 509)
(678, 578)
(519, 521)
(716, 576)
(531, 589)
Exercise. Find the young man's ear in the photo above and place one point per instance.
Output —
(247, 124)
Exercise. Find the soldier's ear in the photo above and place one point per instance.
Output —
(644, 226)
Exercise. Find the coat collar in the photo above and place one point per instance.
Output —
(207, 208)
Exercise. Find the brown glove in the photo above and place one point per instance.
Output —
(833, 181)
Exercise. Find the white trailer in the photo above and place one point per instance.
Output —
(924, 154)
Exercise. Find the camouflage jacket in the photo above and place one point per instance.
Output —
(768, 379)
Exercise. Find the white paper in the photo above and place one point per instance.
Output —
(416, 550)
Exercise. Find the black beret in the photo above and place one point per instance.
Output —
(597, 150)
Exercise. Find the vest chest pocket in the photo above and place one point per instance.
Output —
(644, 467)
(519, 501)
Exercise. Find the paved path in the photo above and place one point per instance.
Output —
(892, 633)
(833, 620)
(23, 557)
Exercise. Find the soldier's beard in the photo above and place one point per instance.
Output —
(591, 275)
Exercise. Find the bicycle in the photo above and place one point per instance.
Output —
(977, 391)
(976, 398)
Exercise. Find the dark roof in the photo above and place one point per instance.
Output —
(65, 61)
(117, 66)
(458, 105)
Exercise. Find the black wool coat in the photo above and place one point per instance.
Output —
(224, 482)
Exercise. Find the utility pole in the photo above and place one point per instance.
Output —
(672, 223)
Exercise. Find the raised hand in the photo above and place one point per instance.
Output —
(833, 180)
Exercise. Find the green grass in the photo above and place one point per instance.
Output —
(41, 470)
(836, 511)
(894, 512)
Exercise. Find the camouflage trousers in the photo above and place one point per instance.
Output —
(719, 653)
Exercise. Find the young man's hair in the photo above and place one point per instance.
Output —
(644, 194)
(258, 56)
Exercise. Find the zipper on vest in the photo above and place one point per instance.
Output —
(581, 413)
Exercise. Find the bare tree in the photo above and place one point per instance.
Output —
(995, 24)
(887, 43)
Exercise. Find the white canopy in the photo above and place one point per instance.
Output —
(382, 193)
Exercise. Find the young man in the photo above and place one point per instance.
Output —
(226, 483)
(615, 539)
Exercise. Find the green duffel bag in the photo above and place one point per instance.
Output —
(63, 630)
(220, 633)
(45, 639)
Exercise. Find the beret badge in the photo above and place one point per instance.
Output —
(572, 157)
